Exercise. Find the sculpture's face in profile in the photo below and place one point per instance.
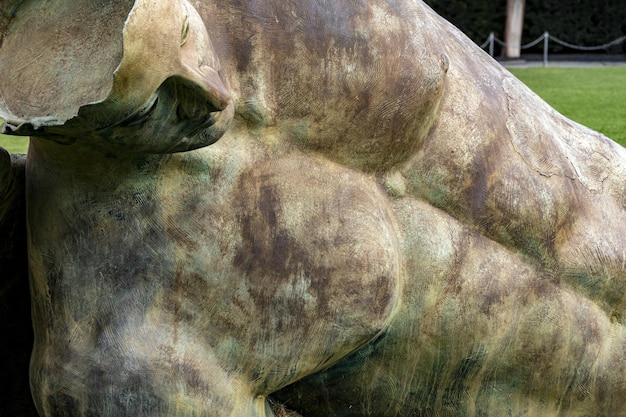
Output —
(167, 93)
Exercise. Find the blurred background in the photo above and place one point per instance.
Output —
(579, 22)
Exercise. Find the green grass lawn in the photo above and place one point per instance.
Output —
(594, 97)
(14, 144)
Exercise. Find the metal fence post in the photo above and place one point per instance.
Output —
(546, 40)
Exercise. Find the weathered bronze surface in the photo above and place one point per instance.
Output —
(386, 222)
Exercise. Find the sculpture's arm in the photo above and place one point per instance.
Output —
(480, 331)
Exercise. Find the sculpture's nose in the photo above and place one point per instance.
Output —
(199, 62)
(209, 79)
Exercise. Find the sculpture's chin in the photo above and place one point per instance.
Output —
(219, 124)
(178, 117)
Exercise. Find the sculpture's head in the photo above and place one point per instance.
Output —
(135, 75)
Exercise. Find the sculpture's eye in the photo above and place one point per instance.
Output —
(185, 32)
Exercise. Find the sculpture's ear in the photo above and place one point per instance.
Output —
(56, 56)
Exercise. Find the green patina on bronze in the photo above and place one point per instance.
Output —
(385, 223)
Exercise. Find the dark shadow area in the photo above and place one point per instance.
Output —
(15, 323)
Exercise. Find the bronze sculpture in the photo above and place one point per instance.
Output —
(385, 223)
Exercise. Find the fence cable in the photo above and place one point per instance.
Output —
(546, 37)
(533, 43)
(589, 48)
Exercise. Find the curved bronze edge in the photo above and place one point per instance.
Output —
(10, 126)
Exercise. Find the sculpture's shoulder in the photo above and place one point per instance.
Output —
(342, 81)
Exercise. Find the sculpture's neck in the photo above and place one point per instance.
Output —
(80, 162)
